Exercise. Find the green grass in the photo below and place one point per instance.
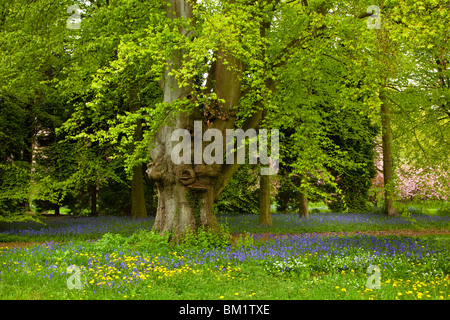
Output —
(129, 262)
(247, 282)
(40, 272)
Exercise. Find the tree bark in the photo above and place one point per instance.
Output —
(28, 156)
(303, 206)
(186, 192)
(265, 219)
(138, 205)
(57, 213)
(388, 170)
(93, 194)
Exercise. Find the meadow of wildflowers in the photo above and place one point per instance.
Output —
(84, 228)
(295, 266)
(335, 222)
(62, 229)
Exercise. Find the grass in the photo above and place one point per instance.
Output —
(130, 262)
(333, 272)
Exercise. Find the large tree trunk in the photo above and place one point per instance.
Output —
(186, 192)
(265, 218)
(388, 170)
(183, 206)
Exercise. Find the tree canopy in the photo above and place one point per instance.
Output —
(92, 90)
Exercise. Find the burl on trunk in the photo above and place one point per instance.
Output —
(185, 192)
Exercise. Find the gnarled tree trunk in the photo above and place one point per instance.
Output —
(187, 191)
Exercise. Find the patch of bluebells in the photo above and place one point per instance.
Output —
(396, 255)
(82, 228)
(333, 253)
(327, 222)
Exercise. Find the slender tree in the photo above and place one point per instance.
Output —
(265, 218)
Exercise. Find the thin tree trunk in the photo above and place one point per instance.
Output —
(388, 170)
(265, 219)
(93, 194)
(303, 207)
(57, 213)
(28, 156)
(138, 207)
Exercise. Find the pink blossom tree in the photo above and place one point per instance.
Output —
(413, 182)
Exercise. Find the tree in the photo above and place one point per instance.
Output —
(31, 38)
(225, 65)
(409, 33)
(265, 218)
(290, 193)
(241, 195)
(422, 105)
(112, 88)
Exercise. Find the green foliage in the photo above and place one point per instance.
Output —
(78, 202)
(444, 211)
(141, 240)
(30, 104)
(195, 201)
(293, 267)
(114, 197)
(14, 187)
(150, 241)
(406, 213)
(202, 238)
(246, 241)
(5, 237)
(110, 242)
(240, 196)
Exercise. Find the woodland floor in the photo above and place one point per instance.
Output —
(267, 236)
(410, 233)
